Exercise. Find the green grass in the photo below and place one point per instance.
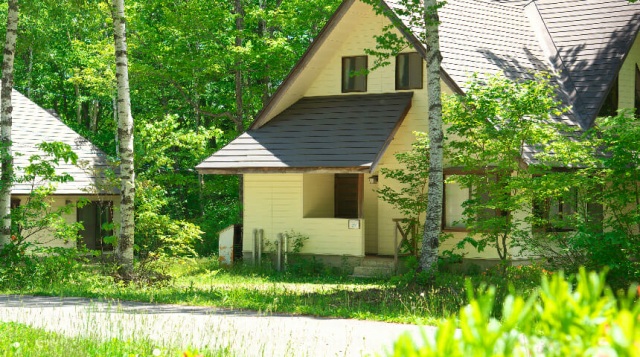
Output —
(202, 282)
(21, 340)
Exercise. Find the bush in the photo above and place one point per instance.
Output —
(561, 319)
(24, 267)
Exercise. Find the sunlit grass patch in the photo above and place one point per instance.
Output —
(21, 340)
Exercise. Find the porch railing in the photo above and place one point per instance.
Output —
(410, 228)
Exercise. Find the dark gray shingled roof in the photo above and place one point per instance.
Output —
(592, 38)
(33, 125)
(334, 133)
(583, 41)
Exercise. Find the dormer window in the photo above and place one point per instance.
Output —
(409, 71)
(352, 79)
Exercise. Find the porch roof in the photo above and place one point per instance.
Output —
(346, 133)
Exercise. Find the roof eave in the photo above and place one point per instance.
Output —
(281, 170)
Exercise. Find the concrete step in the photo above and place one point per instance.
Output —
(372, 272)
(377, 262)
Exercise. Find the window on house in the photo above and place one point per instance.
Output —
(409, 71)
(352, 79)
(93, 216)
(610, 105)
(556, 214)
(455, 196)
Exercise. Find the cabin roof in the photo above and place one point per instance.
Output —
(31, 126)
(332, 133)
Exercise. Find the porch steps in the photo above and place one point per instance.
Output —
(374, 267)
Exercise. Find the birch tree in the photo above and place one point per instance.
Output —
(124, 249)
(421, 14)
(6, 159)
(433, 221)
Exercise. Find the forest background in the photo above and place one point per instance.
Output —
(200, 70)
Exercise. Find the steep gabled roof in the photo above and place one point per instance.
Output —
(31, 126)
(333, 133)
(584, 42)
(592, 38)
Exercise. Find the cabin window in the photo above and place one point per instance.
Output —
(409, 71)
(610, 105)
(455, 196)
(347, 195)
(93, 216)
(353, 78)
(556, 214)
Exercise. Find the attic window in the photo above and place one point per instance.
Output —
(409, 71)
(352, 80)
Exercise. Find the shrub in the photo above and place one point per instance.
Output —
(561, 319)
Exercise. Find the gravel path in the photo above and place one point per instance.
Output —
(241, 333)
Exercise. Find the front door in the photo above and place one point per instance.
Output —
(93, 215)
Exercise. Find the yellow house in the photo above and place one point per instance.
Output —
(311, 160)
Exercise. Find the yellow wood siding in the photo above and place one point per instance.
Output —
(318, 198)
(627, 77)
(370, 212)
(274, 203)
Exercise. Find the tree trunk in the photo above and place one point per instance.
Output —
(433, 221)
(76, 87)
(124, 249)
(30, 72)
(93, 115)
(6, 116)
(239, 104)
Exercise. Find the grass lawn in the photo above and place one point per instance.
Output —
(202, 282)
(21, 340)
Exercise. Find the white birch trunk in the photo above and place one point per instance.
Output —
(433, 221)
(124, 249)
(6, 117)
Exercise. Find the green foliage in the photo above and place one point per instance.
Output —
(183, 59)
(26, 262)
(22, 340)
(491, 129)
(157, 233)
(562, 319)
(411, 198)
(37, 213)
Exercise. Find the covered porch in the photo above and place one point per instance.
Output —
(312, 170)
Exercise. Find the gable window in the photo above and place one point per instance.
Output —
(351, 80)
(409, 71)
